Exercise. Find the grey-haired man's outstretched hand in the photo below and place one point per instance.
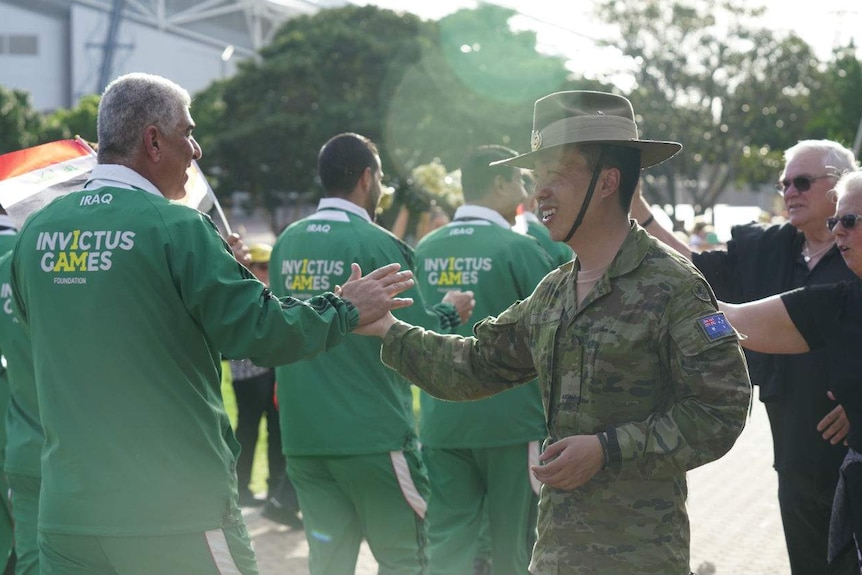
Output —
(373, 295)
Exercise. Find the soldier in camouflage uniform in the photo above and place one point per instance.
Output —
(642, 378)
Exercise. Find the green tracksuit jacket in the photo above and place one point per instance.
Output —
(131, 301)
(346, 402)
(478, 251)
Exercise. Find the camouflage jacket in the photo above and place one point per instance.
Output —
(645, 358)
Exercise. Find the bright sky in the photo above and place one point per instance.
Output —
(565, 27)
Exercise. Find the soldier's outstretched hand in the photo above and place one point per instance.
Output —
(570, 462)
(374, 294)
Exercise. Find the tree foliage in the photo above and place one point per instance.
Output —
(23, 127)
(838, 113)
(321, 75)
(422, 90)
(20, 124)
(68, 123)
(733, 93)
(475, 84)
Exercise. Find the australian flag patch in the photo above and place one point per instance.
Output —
(715, 326)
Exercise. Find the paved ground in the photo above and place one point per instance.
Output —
(735, 522)
(733, 507)
(283, 551)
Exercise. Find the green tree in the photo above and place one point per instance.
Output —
(321, 75)
(733, 93)
(68, 123)
(422, 90)
(475, 84)
(19, 122)
(839, 107)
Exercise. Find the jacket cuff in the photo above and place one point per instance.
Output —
(343, 308)
(449, 318)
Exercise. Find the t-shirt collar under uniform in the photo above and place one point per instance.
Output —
(473, 212)
(344, 205)
(117, 176)
(632, 252)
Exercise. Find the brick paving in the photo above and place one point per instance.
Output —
(733, 506)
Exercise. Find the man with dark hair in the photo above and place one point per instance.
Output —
(343, 160)
(479, 453)
(478, 178)
(131, 301)
(347, 422)
(642, 379)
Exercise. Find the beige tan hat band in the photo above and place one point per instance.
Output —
(585, 129)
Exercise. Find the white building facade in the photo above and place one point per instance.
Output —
(61, 50)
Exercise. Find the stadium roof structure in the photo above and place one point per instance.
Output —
(247, 25)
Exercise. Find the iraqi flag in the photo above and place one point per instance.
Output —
(200, 196)
(33, 177)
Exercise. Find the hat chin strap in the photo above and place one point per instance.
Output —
(587, 199)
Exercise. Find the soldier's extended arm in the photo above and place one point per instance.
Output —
(454, 367)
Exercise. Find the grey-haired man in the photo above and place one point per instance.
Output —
(642, 378)
(130, 301)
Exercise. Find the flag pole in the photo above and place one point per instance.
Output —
(212, 197)
(85, 144)
(218, 209)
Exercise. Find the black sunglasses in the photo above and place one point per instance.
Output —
(801, 183)
(848, 221)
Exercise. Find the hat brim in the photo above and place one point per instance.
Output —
(653, 152)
